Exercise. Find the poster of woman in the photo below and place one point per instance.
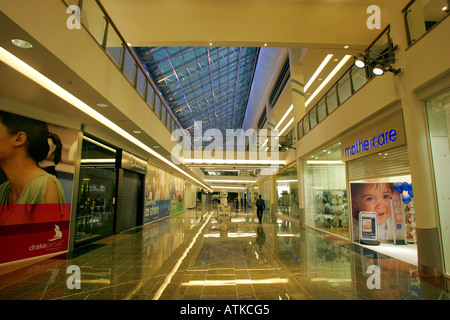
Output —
(376, 197)
(36, 179)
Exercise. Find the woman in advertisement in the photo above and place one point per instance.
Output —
(24, 142)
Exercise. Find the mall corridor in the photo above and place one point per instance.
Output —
(195, 256)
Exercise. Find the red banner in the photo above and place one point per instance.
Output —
(32, 230)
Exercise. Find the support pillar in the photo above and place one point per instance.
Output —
(416, 128)
(298, 100)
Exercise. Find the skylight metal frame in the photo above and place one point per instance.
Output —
(208, 84)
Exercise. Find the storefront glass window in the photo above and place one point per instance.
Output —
(438, 110)
(96, 196)
(325, 191)
(287, 192)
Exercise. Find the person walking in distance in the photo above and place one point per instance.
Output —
(260, 206)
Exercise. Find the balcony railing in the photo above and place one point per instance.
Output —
(422, 16)
(347, 85)
(98, 23)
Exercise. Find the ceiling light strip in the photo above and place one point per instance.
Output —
(328, 79)
(231, 181)
(98, 160)
(285, 128)
(318, 71)
(285, 116)
(54, 88)
(98, 144)
(324, 162)
(225, 161)
(225, 187)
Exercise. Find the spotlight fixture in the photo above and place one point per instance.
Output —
(378, 70)
(360, 60)
(379, 65)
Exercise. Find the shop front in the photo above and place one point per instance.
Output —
(381, 203)
(111, 191)
(438, 112)
(326, 192)
(287, 192)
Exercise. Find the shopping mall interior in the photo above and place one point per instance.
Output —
(224, 150)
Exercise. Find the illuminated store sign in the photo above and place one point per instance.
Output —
(376, 137)
(373, 142)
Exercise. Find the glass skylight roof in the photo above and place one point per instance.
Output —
(208, 84)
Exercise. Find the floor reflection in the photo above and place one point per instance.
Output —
(193, 256)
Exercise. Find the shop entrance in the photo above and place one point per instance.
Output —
(111, 192)
(130, 209)
(381, 184)
(96, 194)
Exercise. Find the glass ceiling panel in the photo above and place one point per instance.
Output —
(208, 84)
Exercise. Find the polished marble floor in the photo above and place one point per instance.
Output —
(194, 256)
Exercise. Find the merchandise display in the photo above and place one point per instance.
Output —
(332, 209)
(410, 219)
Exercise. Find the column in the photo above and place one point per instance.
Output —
(415, 120)
(298, 100)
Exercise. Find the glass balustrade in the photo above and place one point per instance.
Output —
(347, 85)
(97, 22)
(422, 16)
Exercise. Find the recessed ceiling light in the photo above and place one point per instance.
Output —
(102, 105)
(21, 43)
(136, 131)
(156, 147)
(265, 44)
(346, 47)
(210, 43)
(336, 60)
(444, 8)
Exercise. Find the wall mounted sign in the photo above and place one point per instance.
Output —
(381, 135)
(131, 162)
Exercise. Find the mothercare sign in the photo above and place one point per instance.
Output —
(374, 138)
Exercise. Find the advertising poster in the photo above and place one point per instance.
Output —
(158, 186)
(37, 164)
(164, 194)
(177, 195)
(376, 197)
